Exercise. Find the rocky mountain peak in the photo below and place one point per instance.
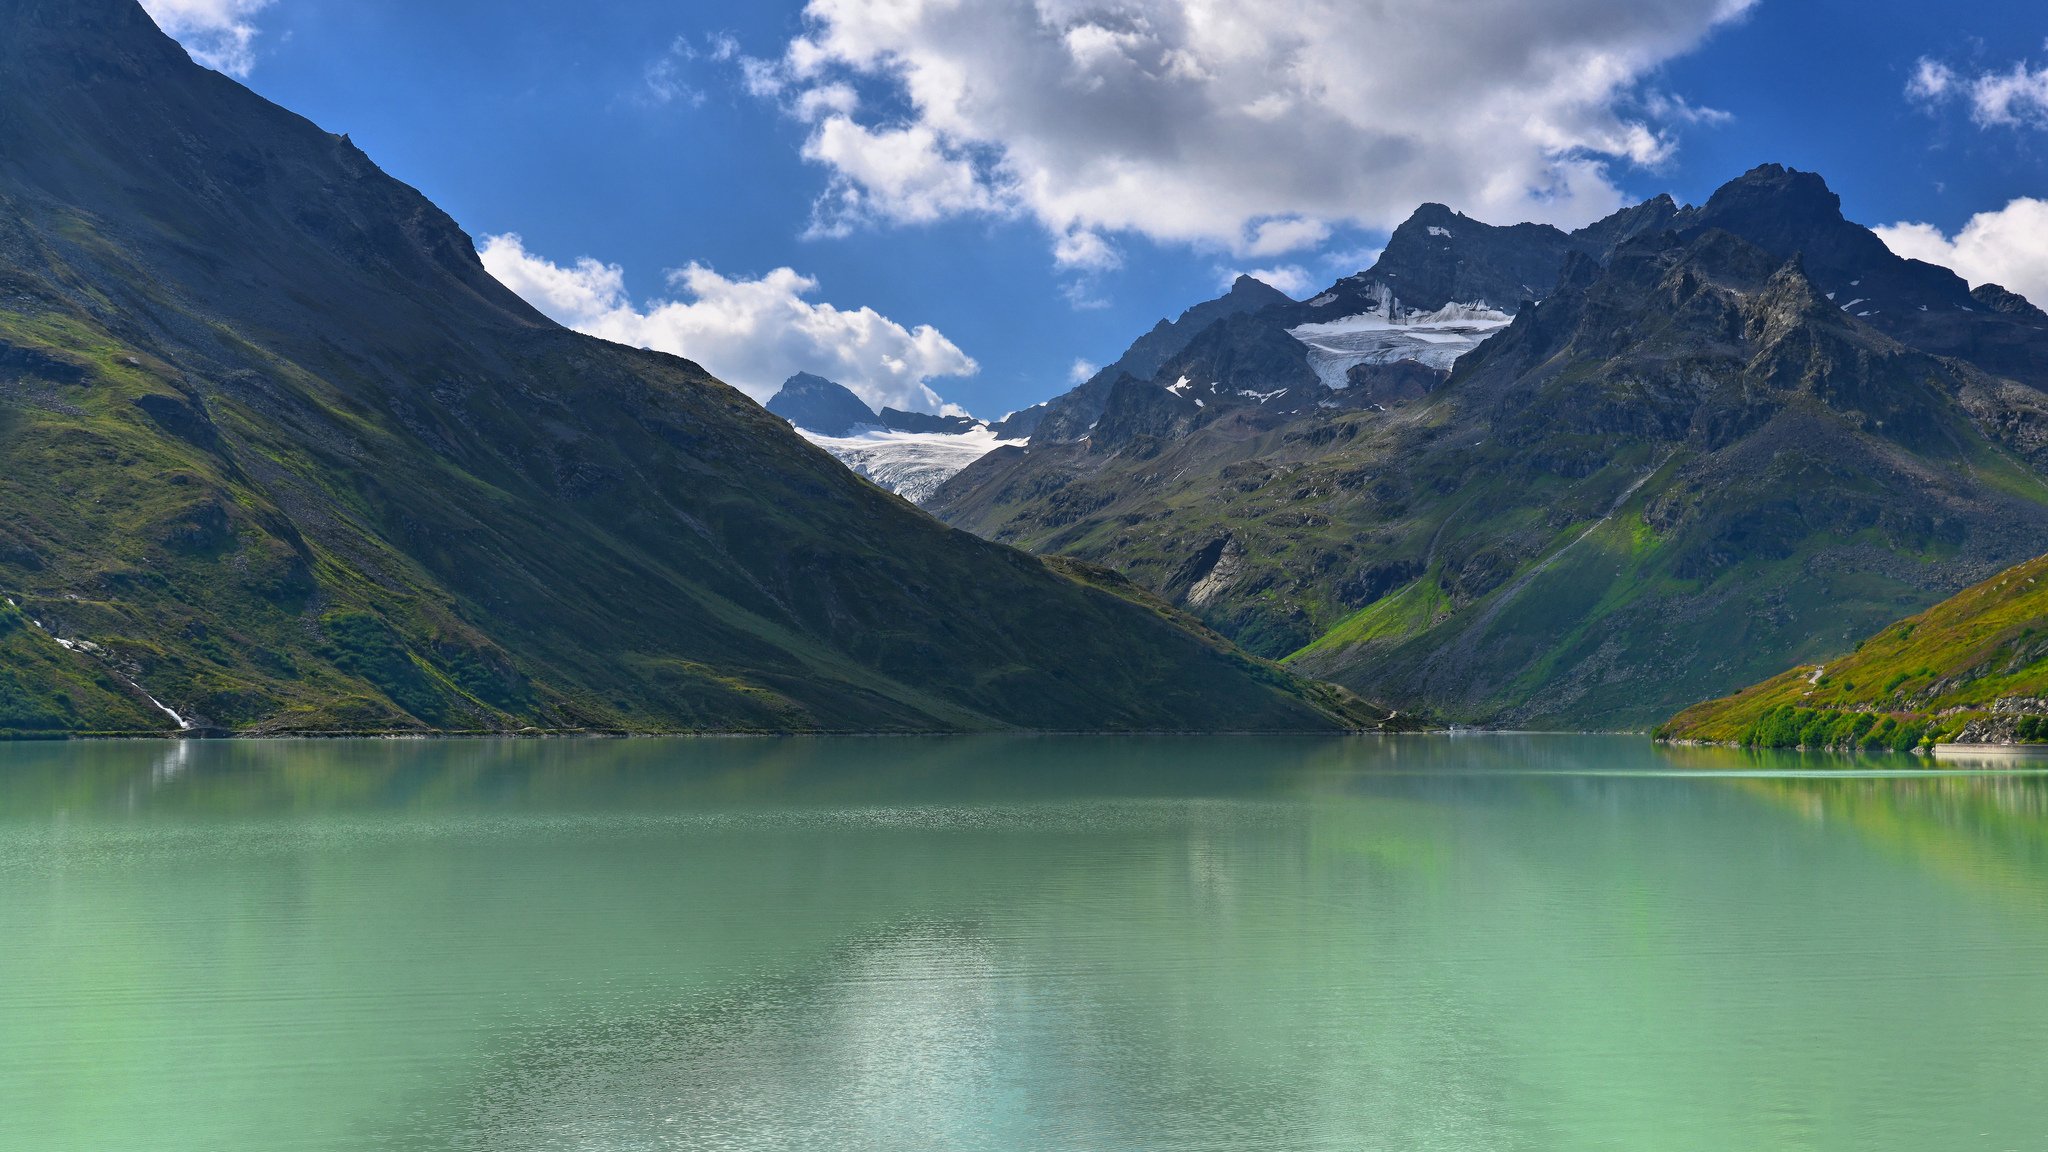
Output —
(1998, 298)
(822, 406)
(1248, 290)
(1787, 302)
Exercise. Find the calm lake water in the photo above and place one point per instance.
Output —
(1428, 943)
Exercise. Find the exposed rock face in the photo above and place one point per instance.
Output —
(897, 420)
(2013, 720)
(1069, 417)
(1689, 464)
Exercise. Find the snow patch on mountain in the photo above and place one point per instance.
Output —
(911, 464)
(1388, 333)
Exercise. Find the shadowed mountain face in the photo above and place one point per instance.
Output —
(1695, 462)
(1441, 271)
(276, 451)
(821, 405)
(829, 408)
(1068, 417)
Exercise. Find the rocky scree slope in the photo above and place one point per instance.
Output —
(276, 451)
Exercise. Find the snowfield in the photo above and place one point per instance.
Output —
(910, 464)
(1389, 333)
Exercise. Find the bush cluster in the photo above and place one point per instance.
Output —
(1788, 727)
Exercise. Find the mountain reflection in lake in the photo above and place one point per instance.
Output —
(1470, 943)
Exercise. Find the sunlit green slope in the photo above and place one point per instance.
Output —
(1974, 667)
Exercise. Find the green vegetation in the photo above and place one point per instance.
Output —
(1788, 727)
(276, 450)
(1941, 675)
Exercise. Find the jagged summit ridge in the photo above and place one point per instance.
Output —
(1670, 473)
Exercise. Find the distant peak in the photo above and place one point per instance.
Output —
(1431, 215)
(823, 406)
(1251, 289)
(2001, 299)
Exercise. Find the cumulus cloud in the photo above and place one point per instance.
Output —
(2014, 98)
(753, 334)
(1082, 371)
(220, 34)
(1254, 126)
(1087, 251)
(2011, 99)
(2007, 247)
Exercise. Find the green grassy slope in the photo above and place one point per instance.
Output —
(1973, 667)
(278, 452)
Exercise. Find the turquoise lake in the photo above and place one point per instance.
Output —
(1178, 944)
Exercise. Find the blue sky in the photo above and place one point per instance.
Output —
(1014, 188)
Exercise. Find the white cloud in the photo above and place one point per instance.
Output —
(666, 79)
(753, 334)
(1677, 109)
(2015, 98)
(1086, 250)
(663, 82)
(220, 34)
(1254, 126)
(2011, 99)
(1082, 371)
(1931, 80)
(1273, 237)
(1082, 295)
(2008, 247)
(902, 175)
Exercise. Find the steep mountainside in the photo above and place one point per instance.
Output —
(276, 451)
(1691, 464)
(1973, 668)
(1068, 417)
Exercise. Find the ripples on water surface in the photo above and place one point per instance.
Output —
(1470, 944)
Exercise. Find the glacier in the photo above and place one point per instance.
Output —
(1387, 333)
(911, 464)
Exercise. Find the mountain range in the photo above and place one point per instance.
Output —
(815, 404)
(1518, 476)
(908, 453)
(277, 454)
